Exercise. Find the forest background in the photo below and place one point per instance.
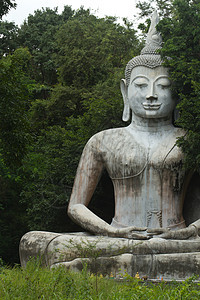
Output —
(59, 85)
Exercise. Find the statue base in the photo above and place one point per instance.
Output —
(154, 258)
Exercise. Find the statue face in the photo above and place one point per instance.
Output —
(149, 92)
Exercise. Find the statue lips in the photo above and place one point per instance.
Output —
(151, 106)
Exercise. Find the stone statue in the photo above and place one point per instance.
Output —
(145, 166)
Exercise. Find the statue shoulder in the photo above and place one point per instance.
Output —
(106, 137)
(179, 132)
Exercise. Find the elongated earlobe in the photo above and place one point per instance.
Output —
(126, 111)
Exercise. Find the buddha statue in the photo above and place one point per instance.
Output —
(148, 233)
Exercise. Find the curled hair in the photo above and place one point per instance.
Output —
(147, 60)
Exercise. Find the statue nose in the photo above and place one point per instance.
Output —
(152, 96)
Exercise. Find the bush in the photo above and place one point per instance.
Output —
(35, 282)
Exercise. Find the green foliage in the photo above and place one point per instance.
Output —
(14, 138)
(8, 38)
(5, 6)
(103, 109)
(48, 181)
(14, 96)
(91, 53)
(91, 47)
(163, 7)
(34, 282)
(38, 34)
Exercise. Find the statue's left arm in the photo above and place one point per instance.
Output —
(192, 231)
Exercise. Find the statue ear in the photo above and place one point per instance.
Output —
(126, 112)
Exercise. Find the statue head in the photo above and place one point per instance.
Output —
(146, 87)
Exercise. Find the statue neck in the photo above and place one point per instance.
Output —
(151, 124)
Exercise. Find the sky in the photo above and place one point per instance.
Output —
(101, 8)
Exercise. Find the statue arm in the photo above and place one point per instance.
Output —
(89, 171)
(196, 224)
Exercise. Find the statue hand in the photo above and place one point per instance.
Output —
(180, 234)
(151, 232)
(132, 232)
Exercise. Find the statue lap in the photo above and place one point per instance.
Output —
(153, 258)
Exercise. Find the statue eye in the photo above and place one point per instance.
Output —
(140, 82)
(164, 83)
(164, 86)
(141, 86)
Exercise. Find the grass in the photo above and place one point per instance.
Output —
(35, 282)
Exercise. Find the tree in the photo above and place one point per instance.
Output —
(8, 30)
(91, 50)
(46, 187)
(14, 137)
(5, 6)
(38, 34)
(8, 38)
(14, 104)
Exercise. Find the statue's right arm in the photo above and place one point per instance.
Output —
(89, 171)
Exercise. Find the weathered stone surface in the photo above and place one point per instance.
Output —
(34, 244)
(154, 258)
(169, 266)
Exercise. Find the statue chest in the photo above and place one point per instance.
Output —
(124, 160)
(147, 182)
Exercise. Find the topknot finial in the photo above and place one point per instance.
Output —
(149, 56)
(154, 39)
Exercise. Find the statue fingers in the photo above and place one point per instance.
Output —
(175, 235)
(137, 236)
(133, 228)
(133, 232)
(181, 234)
(194, 230)
(141, 228)
(167, 235)
(157, 231)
